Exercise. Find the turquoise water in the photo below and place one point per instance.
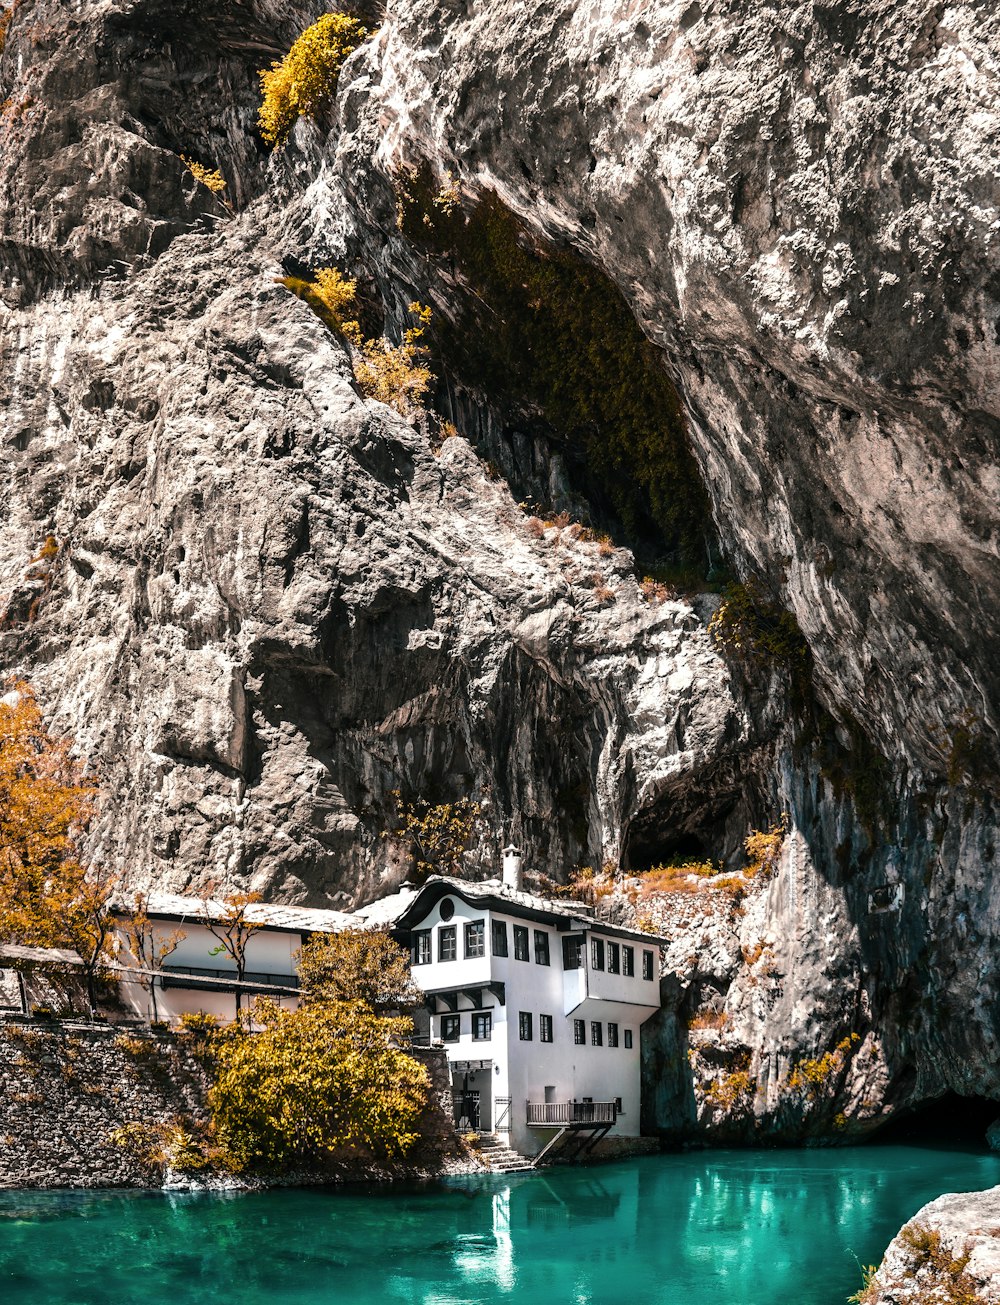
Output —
(726, 1227)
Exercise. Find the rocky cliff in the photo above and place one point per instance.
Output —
(762, 244)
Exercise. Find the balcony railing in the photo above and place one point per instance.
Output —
(560, 1114)
(221, 980)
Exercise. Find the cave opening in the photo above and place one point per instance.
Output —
(949, 1120)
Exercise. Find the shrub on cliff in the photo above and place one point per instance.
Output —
(394, 374)
(327, 1083)
(300, 84)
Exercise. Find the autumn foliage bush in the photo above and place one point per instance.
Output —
(328, 1082)
(394, 374)
(304, 81)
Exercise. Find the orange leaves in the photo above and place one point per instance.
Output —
(45, 805)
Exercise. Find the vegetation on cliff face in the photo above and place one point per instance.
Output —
(394, 374)
(303, 82)
(544, 331)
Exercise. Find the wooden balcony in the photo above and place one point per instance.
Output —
(571, 1114)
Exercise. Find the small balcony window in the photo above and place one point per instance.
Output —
(612, 1035)
(475, 939)
(628, 1039)
(580, 1033)
(596, 1033)
(447, 943)
(628, 961)
(520, 942)
(482, 1026)
(541, 947)
(545, 1028)
(572, 953)
(451, 1027)
(647, 965)
(597, 953)
(420, 951)
(614, 958)
(524, 1025)
(498, 932)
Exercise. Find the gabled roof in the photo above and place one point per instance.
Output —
(495, 895)
(291, 919)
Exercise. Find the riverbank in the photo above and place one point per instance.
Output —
(949, 1253)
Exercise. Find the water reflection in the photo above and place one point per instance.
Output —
(738, 1228)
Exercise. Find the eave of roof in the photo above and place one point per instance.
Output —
(493, 894)
(267, 915)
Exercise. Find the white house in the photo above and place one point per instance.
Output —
(199, 975)
(538, 1004)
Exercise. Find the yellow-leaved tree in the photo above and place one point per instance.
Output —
(326, 1083)
(48, 897)
(303, 82)
(358, 965)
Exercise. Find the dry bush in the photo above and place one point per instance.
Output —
(708, 1019)
(688, 877)
(654, 591)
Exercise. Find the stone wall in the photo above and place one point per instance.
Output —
(65, 1088)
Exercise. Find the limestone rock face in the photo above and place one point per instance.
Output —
(950, 1249)
(269, 602)
(801, 206)
(273, 603)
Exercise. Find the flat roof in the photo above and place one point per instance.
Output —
(269, 915)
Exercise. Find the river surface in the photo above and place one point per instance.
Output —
(726, 1227)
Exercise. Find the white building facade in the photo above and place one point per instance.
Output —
(199, 975)
(538, 1005)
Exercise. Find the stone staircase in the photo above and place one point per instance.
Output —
(499, 1157)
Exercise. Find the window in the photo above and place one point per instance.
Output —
(597, 953)
(595, 1033)
(647, 965)
(420, 951)
(447, 943)
(579, 1032)
(524, 1025)
(619, 1108)
(498, 928)
(545, 1028)
(482, 1027)
(612, 1035)
(572, 953)
(520, 942)
(541, 947)
(447, 909)
(628, 1039)
(628, 961)
(451, 1026)
(475, 939)
(614, 966)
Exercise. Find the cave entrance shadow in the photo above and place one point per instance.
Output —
(950, 1122)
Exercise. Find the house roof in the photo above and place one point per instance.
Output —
(26, 956)
(495, 895)
(291, 919)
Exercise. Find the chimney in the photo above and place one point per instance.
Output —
(512, 867)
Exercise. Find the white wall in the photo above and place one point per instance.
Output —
(523, 1070)
(269, 951)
